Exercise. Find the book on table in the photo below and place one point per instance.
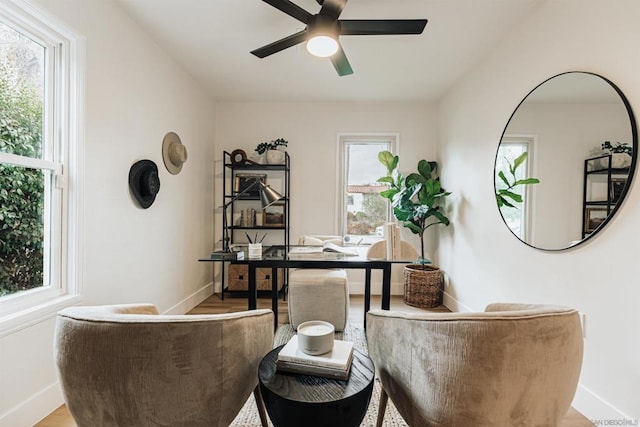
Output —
(326, 247)
(334, 364)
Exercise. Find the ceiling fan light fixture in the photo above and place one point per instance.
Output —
(322, 46)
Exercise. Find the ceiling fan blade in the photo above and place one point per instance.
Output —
(332, 8)
(281, 44)
(341, 63)
(290, 9)
(367, 27)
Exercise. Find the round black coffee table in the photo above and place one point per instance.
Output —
(310, 401)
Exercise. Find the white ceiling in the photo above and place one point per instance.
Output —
(213, 40)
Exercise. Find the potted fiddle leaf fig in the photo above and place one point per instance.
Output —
(415, 200)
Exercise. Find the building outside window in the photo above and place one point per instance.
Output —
(40, 74)
(363, 210)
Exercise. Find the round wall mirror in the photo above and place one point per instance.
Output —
(565, 160)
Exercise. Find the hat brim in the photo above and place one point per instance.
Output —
(169, 139)
(136, 173)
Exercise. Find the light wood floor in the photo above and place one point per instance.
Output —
(61, 417)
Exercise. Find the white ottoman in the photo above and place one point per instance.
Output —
(319, 294)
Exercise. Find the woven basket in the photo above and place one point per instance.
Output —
(238, 278)
(423, 286)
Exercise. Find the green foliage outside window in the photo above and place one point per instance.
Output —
(21, 189)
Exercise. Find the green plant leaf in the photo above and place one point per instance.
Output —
(504, 178)
(389, 194)
(414, 178)
(388, 160)
(386, 179)
(510, 194)
(413, 227)
(424, 168)
(526, 181)
(519, 160)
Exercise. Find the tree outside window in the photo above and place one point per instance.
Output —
(22, 189)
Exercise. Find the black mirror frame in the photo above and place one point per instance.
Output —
(632, 168)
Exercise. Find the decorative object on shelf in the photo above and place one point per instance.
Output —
(239, 157)
(594, 217)
(244, 180)
(507, 193)
(144, 182)
(174, 153)
(617, 187)
(268, 196)
(273, 219)
(273, 151)
(620, 154)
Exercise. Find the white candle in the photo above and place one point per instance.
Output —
(316, 330)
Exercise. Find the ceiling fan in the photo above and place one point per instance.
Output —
(324, 28)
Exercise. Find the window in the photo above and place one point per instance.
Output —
(40, 72)
(363, 211)
(518, 218)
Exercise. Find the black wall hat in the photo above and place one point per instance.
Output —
(144, 182)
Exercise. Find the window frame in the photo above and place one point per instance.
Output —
(392, 138)
(63, 124)
(527, 225)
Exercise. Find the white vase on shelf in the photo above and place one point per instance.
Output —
(620, 160)
(275, 157)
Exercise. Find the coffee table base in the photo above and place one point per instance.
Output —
(303, 400)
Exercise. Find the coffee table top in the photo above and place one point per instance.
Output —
(313, 389)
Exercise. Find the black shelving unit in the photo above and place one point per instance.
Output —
(231, 173)
(598, 169)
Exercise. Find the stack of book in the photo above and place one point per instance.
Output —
(335, 364)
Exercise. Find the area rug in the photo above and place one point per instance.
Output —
(248, 416)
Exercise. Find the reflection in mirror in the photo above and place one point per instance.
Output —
(579, 135)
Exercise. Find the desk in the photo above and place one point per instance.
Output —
(305, 400)
(276, 257)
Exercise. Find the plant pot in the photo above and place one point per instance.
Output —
(275, 157)
(620, 160)
(423, 286)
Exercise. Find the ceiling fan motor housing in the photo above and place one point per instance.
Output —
(323, 25)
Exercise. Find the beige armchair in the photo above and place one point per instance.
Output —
(512, 365)
(125, 365)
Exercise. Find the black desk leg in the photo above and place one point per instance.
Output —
(386, 287)
(367, 294)
(252, 298)
(274, 296)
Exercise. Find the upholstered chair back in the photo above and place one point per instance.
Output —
(512, 365)
(125, 365)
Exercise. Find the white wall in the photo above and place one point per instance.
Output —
(134, 95)
(483, 261)
(312, 131)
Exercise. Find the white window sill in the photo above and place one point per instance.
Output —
(19, 320)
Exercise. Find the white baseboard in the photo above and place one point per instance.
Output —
(454, 305)
(30, 411)
(599, 411)
(192, 300)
